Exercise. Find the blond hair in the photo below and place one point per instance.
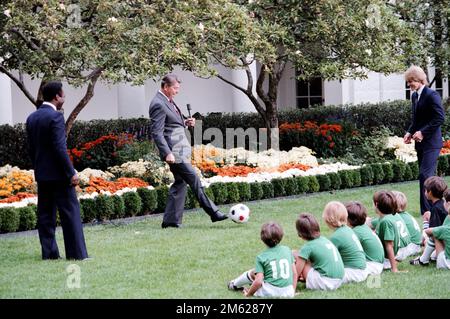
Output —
(416, 73)
(401, 200)
(335, 214)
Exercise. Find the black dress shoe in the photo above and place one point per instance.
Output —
(175, 225)
(218, 216)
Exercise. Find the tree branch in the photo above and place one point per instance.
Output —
(30, 43)
(19, 84)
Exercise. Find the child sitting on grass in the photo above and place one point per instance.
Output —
(318, 262)
(441, 238)
(275, 273)
(347, 243)
(373, 248)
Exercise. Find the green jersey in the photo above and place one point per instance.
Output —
(405, 238)
(413, 227)
(276, 265)
(373, 248)
(324, 257)
(374, 222)
(387, 230)
(443, 233)
(446, 221)
(352, 253)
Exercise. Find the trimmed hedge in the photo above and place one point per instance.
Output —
(10, 219)
(133, 203)
(149, 200)
(27, 217)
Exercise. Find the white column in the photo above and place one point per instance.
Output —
(5, 100)
(239, 100)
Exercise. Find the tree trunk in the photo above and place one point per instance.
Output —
(84, 101)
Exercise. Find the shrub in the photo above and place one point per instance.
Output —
(290, 186)
(190, 199)
(89, 209)
(220, 192)
(209, 192)
(335, 180)
(119, 206)
(313, 184)
(10, 218)
(278, 187)
(378, 173)
(356, 177)
(149, 200)
(162, 194)
(366, 175)
(267, 189)
(302, 184)
(346, 179)
(244, 191)
(256, 191)
(324, 182)
(133, 203)
(104, 207)
(28, 218)
(408, 173)
(388, 172)
(233, 193)
(414, 169)
(442, 165)
(398, 169)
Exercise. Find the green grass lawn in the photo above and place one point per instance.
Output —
(141, 260)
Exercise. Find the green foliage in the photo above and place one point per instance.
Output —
(356, 177)
(89, 208)
(302, 184)
(209, 192)
(28, 218)
(149, 200)
(366, 175)
(408, 173)
(191, 201)
(134, 151)
(378, 173)
(220, 192)
(268, 191)
(388, 172)
(256, 191)
(232, 192)
(162, 194)
(105, 207)
(335, 180)
(290, 186)
(119, 206)
(245, 193)
(414, 169)
(13, 146)
(10, 219)
(278, 187)
(442, 165)
(313, 184)
(398, 168)
(324, 182)
(133, 203)
(346, 178)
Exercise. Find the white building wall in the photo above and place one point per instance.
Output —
(6, 113)
(287, 89)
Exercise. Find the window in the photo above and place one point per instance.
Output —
(438, 83)
(309, 92)
(408, 91)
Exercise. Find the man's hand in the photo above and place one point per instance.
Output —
(190, 122)
(74, 181)
(407, 138)
(170, 159)
(418, 137)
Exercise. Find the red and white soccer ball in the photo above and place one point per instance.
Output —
(239, 213)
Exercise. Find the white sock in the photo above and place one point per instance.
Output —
(429, 248)
(433, 255)
(243, 280)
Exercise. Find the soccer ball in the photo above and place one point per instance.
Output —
(239, 213)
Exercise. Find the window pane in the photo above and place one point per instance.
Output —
(302, 102)
(315, 88)
(302, 88)
(438, 82)
(316, 100)
(408, 94)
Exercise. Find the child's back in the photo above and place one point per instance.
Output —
(349, 247)
(373, 248)
(276, 265)
(412, 226)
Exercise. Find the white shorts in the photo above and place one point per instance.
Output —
(315, 281)
(374, 268)
(268, 290)
(354, 275)
(413, 249)
(402, 254)
(442, 262)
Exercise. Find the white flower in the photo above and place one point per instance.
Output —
(7, 13)
(112, 19)
(62, 6)
(201, 26)
(368, 51)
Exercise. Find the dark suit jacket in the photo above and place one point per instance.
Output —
(427, 117)
(47, 145)
(168, 129)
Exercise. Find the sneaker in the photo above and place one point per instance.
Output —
(231, 286)
(416, 261)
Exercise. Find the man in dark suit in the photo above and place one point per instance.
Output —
(425, 129)
(168, 131)
(56, 179)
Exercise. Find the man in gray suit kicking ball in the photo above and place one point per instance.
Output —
(168, 131)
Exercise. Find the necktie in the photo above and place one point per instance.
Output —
(415, 97)
(174, 106)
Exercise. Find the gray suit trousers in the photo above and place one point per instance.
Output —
(185, 174)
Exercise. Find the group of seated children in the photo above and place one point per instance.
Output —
(358, 247)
